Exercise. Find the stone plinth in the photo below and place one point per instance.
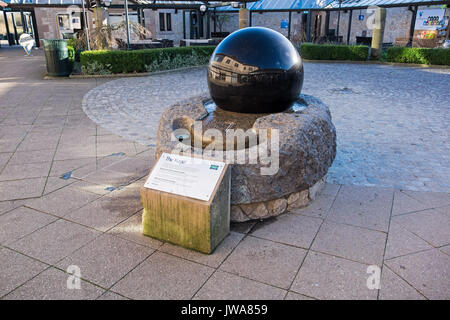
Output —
(307, 147)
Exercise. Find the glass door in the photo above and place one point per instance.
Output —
(3, 30)
(13, 24)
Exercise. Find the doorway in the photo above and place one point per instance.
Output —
(196, 24)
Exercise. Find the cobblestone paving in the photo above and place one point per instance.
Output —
(392, 122)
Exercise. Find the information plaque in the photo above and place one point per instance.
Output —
(186, 202)
(185, 176)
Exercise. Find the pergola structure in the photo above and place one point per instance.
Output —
(309, 6)
(253, 6)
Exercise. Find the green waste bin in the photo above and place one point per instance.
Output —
(57, 57)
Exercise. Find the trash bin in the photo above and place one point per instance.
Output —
(57, 57)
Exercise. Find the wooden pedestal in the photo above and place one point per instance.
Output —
(190, 223)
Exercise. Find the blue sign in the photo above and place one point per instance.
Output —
(284, 24)
(361, 17)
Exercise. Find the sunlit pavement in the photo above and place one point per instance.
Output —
(69, 201)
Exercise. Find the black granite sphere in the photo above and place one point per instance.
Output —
(255, 70)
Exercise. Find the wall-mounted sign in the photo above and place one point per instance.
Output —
(361, 17)
(185, 176)
(284, 24)
(429, 19)
(27, 42)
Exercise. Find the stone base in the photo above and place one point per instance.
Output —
(271, 208)
(304, 147)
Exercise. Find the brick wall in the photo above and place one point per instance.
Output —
(47, 23)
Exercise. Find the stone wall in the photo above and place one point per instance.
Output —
(176, 34)
(47, 22)
(273, 20)
(398, 21)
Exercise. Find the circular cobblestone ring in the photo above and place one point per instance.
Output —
(307, 147)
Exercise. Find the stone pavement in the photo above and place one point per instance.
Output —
(391, 121)
(69, 196)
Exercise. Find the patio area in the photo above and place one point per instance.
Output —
(71, 170)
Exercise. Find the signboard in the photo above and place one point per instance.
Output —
(27, 42)
(284, 24)
(185, 176)
(429, 19)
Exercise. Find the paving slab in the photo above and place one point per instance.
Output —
(395, 288)
(107, 259)
(52, 285)
(20, 222)
(327, 277)
(110, 178)
(55, 241)
(242, 227)
(404, 203)
(292, 229)
(401, 242)
(131, 229)
(354, 243)
(56, 183)
(62, 201)
(104, 213)
(6, 206)
(212, 260)
(226, 286)
(296, 296)
(25, 171)
(37, 156)
(108, 295)
(4, 158)
(21, 189)
(431, 199)
(431, 225)
(16, 269)
(163, 276)
(61, 167)
(265, 261)
(318, 208)
(363, 207)
(427, 271)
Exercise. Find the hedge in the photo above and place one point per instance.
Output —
(438, 56)
(122, 61)
(71, 52)
(333, 52)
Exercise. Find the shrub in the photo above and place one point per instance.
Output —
(438, 56)
(118, 61)
(333, 52)
(71, 52)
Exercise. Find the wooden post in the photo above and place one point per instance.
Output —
(289, 25)
(378, 32)
(191, 223)
(349, 26)
(308, 30)
(413, 10)
(243, 18)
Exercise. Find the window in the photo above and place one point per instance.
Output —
(162, 24)
(228, 61)
(168, 21)
(165, 21)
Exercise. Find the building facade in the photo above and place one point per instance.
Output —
(299, 20)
